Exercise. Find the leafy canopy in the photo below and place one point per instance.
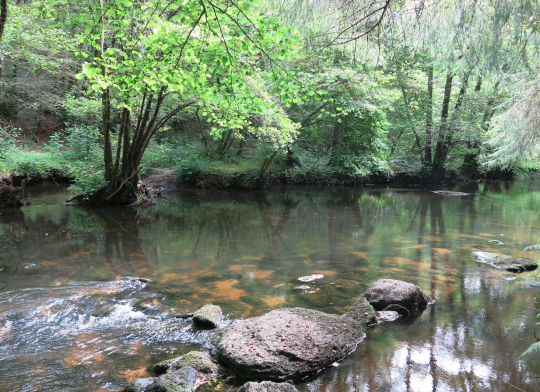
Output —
(208, 52)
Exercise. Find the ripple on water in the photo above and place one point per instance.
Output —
(58, 335)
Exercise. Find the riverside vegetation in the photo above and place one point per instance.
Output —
(249, 93)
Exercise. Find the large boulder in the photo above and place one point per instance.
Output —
(208, 316)
(182, 380)
(267, 386)
(390, 294)
(287, 344)
(200, 361)
(504, 262)
(363, 312)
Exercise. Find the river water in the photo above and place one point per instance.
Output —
(73, 319)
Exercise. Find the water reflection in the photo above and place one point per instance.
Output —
(70, 317)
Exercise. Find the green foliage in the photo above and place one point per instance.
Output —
(88, 182)
(8, 140)
(83, 142)
(363, 140)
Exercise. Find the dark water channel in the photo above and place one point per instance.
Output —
(72, 319)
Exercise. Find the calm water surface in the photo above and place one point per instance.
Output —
(72, 319)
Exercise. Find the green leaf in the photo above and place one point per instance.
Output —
(534, 349)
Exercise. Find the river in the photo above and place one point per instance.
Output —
(73, 319)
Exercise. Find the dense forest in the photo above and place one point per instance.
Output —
(249, 93)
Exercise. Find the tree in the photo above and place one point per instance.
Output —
(148, 62)
(481, 46)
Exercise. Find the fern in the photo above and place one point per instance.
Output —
(532, 247)
(532, 350)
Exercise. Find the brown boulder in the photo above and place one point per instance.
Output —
(403, 297)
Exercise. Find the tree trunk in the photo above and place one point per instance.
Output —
(470, 165)
(429, 117)
(337, 145)
(3, 16)
(438, 169)
(446, 130)
(292, 159)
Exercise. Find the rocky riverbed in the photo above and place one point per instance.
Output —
(284, 345)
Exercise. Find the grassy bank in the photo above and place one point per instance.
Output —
(79, 160)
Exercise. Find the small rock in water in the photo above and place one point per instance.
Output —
(496, 242)
(142, 280)
(387, 316)
(183, 380)
(505, 262)
(450, 193)
(208, 316)
(198, 360)
(310, 278)
(179, 314)
(267, 386)
(138, 385)
(403, 297)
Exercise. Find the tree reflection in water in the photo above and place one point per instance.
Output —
(246, 250)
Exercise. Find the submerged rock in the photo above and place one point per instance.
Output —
(402, 297)
(363, 312)
(387, 316)
(496, 242)
(138, 385)
(200, 361)
(208, 316)
(450, 193)
(150, 306)
(505, 262)
(267, 386)
(310, 278)
(179, 314)
(287, 344)
(182, 380)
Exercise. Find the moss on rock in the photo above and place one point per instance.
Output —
(182, 380)
(208, 316)
(505, 262)
(362, 312)
(198, 360)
